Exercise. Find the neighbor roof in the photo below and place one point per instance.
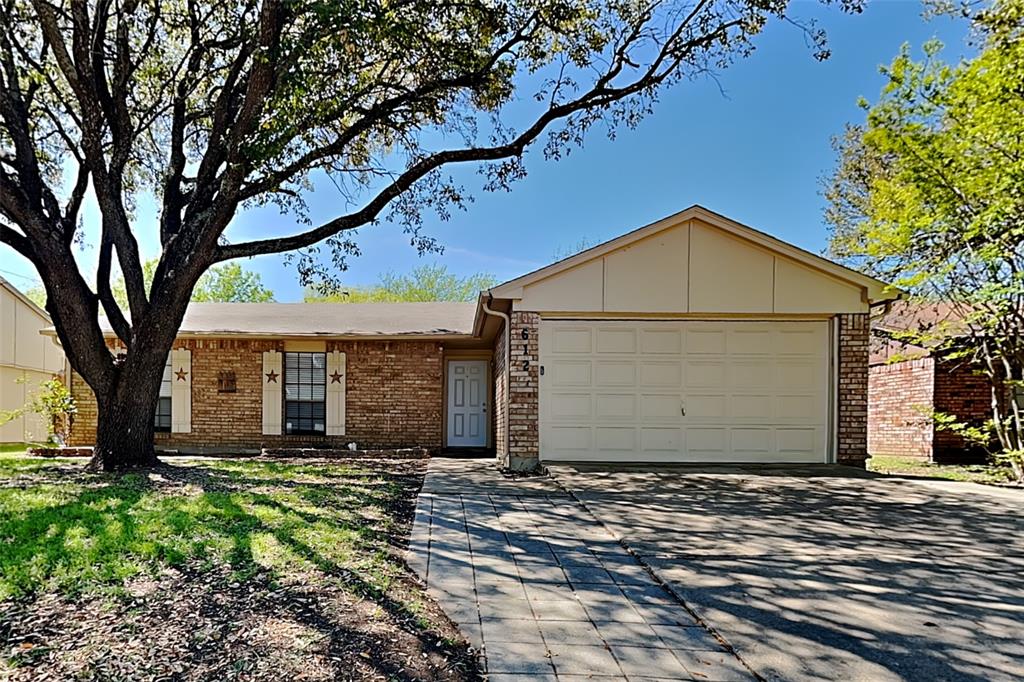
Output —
(379, 320)
(18, 294)
(909, 316)
(877, 290)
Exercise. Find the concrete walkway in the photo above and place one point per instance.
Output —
(546, 593)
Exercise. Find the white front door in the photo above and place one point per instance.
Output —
(467, 403)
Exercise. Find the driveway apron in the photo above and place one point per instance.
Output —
(545, 591)
(829, 572)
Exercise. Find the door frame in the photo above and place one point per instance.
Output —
(483, 355)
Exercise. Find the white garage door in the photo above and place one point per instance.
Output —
(684, 391)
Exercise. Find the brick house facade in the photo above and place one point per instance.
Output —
(908, 384)
(903, 396)
(694, 339)
(393, 398)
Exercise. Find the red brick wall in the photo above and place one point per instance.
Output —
(393, 397)
(524, 386)
(964, 393)
(853, 389)
(500, 390)
(900, 397)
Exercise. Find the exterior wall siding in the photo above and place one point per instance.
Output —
(853, 389)
(900, 398)
(393, 397)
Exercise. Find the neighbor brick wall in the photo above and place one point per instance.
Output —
(393, 397)
(853, 389)
(961, 391)
(900, 397)
(524, 385)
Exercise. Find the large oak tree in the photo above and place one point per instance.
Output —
(213, 107)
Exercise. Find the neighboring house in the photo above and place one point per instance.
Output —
(26, 360)
(909, 383)
(694, 339)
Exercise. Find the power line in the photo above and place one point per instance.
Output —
(34, 280)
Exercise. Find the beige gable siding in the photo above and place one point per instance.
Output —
(692, 268)
(27, 359)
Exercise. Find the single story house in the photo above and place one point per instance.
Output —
(908, 383)
(26, 361)
(693, 339)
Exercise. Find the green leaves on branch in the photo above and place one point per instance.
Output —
(424, 283)
(929, 194)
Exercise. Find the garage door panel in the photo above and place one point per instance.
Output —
(797, 441)
(570, 439)
(752, 391)
(753, 440)
(798, 406)
(746, 374)
(661, 439)
(571, 340)
(616, 340)
(654, 341)
(756, 341)
(705, 374)
(614, 373)
(702, 341)
(707, 443)
(751, 407)
(660, 374)
(707, 406)
(657, 407)
(570, 373)
(571, 406)
(615, 406)
(616, 439)
(799, 375)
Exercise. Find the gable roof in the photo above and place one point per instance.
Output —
(17, 293)
(376, 320)
(877, 290)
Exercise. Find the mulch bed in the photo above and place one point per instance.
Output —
(196, 623)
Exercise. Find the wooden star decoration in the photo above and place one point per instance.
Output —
(181, 374)
(336, 378)
(271, 376)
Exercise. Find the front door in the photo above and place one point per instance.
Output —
(467, 403)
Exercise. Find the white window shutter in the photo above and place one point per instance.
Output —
(335, 393)
(181, 391)
(273, 380)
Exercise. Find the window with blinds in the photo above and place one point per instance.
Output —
(305, 393)
(162, 418)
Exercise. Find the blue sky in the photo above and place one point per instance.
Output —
(752, 146)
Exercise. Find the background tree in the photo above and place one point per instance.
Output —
(929, 194)
(424, 283)
(212, 107)
(229, 283)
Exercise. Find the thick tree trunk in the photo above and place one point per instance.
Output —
(124, 428)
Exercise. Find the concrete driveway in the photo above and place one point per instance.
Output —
(828, 572)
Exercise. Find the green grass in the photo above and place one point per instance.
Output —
(70, 531)
(910, 466)
(9, 448)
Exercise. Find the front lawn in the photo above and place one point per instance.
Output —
(911, 466)
(216, 569)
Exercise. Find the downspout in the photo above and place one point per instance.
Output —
(508, 368)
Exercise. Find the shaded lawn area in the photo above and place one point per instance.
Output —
(912, 466)
(216, 569)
